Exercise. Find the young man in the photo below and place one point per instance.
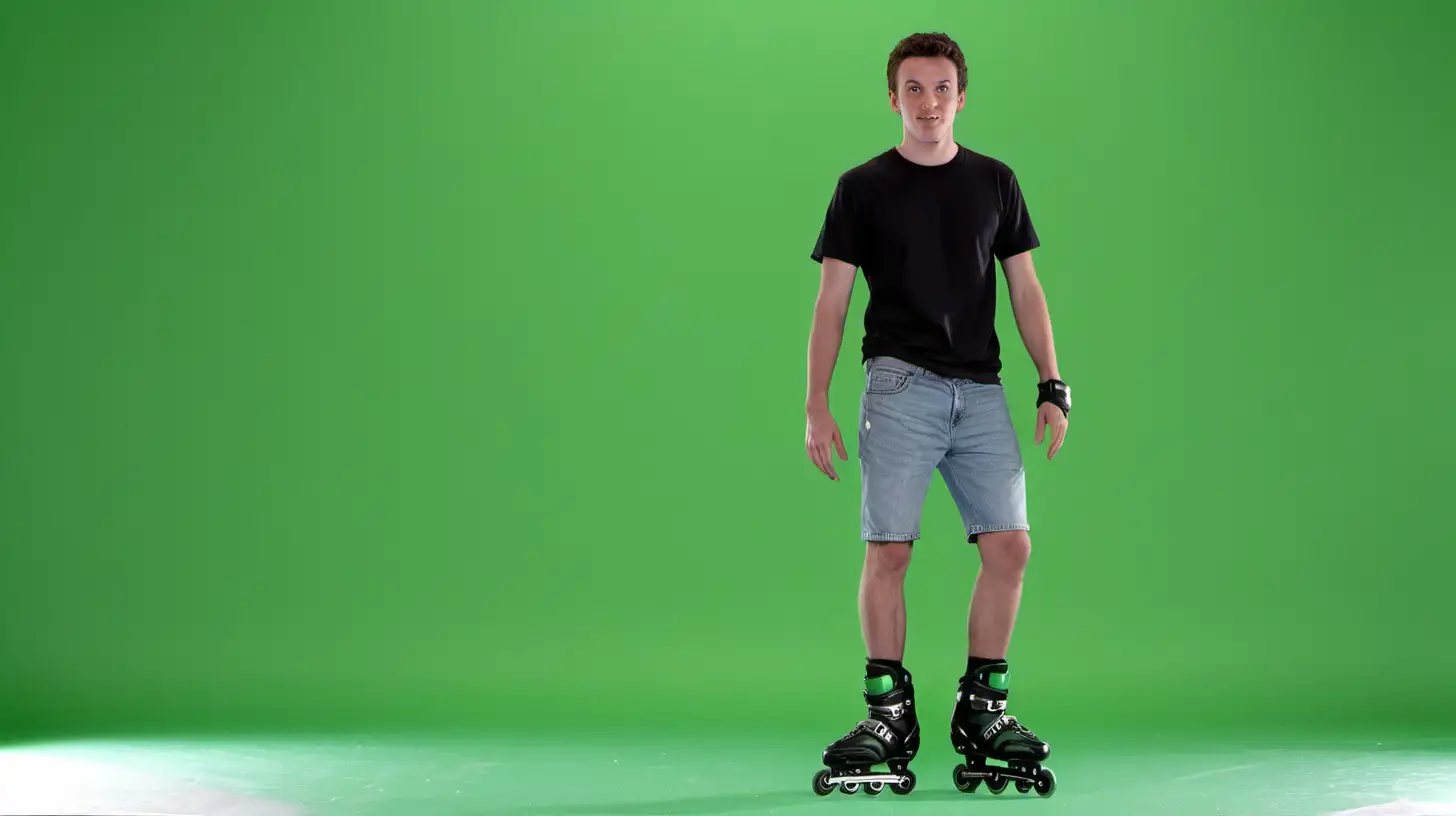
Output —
(926, 221)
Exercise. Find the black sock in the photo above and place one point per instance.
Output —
(879, 665)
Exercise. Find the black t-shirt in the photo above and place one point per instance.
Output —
(927, 239)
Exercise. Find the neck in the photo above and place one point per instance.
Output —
(928, 152)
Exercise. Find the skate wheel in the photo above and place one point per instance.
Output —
(965, 781)
(1023, 786)
(996, 783)
(822, 785)
(905, 787)
(848, 788)
(875, 788)
(1046, 782)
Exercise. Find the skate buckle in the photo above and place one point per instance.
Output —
(981, 703)
(880, 730)
(894, 711)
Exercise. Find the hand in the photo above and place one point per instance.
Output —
(821, 439)
(1050, 416)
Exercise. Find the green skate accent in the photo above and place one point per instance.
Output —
(997, 680)
(880, 684)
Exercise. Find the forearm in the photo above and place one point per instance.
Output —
(824, 341)
(1034, 322)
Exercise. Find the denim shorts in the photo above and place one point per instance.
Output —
(913, 422)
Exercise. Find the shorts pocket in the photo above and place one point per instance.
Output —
(884, 381)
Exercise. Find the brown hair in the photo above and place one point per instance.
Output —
(934, 44)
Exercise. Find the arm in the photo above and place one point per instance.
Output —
(1028, 304)
(822, 438)
(836, 283)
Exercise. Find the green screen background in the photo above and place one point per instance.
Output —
(417, 365)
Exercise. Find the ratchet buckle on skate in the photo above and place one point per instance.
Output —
(981, 703)
(893, 711)
(880, 730)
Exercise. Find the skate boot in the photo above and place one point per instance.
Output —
(890, 736)
(980, 730)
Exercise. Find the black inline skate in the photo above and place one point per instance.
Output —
(889, 736)
(980, 730)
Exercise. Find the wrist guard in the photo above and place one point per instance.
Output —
(1057, 393)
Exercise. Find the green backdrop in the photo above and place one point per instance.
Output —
(442, 364)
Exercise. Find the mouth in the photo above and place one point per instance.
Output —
(928, 118)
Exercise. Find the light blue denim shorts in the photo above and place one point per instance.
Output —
(913, 422)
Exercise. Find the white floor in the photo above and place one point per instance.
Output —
(36, 781)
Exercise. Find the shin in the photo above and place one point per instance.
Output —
(882, 599)
(997, 593)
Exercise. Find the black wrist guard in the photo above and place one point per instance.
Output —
(1057, 393)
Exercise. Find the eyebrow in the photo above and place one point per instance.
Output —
(914, 81)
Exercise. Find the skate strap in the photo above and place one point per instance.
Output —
(880, 730)
(983, 703)
(993, 728)
(894, 711)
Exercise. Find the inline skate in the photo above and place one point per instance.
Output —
(889, 736)
(981, 730)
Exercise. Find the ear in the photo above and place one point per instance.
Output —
(894, 102)
(960, 101)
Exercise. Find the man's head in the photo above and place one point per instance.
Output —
(927, 76)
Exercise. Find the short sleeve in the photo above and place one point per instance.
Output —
(839, 237)
(1015, 233)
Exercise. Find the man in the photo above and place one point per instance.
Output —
(926, 221)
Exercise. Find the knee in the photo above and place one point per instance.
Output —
(1005, 554)
(887, 558)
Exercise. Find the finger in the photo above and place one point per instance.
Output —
(829, 463)
(826, 460)
(839, 441)
(1040, 426)
(1061, 436)
(817, 458)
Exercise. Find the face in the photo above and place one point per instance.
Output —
(927, 97)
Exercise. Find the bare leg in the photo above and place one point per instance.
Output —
(882, 599)
(997, 593)
(980, 726)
